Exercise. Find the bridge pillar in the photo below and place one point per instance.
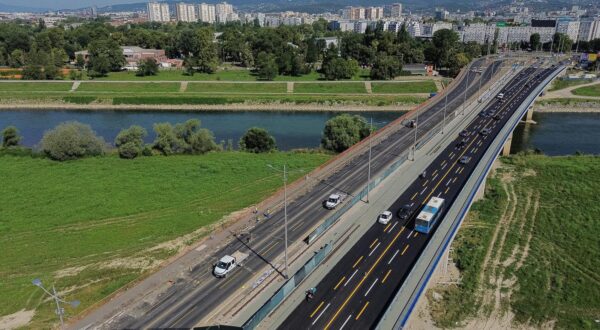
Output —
(480, 194)
(507, 144)
(529, 116)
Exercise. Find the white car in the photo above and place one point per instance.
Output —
(385, 217)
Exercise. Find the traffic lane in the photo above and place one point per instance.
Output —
(233, 248)
(358, 311)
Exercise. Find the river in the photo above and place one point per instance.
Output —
(555, 133)
(292, 130)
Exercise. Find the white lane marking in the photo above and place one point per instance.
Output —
(348, 319)
(411, 204)
(452, 157)
(447, 183)
(443, 167)
(320, 314)
(348, 281)
(394, 256)
(395, 223)
(435, 176)
(407, 237)
(422, 191)
(375, 248)
(371, 287)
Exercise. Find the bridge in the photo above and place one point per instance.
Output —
(357, 281)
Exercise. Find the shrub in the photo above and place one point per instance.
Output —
(72, 140)
(129, 150)
(343, 131)
(10, 137)
(130, 141)
(257, 140)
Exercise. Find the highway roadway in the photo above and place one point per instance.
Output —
(357, 291)
(188, 301)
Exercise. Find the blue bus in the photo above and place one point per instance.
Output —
(429, 215)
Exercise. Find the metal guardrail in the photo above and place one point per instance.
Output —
(288, 287)
(401, 321)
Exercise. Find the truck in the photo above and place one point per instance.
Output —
(334, 200)
(228, 263)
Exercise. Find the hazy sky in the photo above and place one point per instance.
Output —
(57, 4)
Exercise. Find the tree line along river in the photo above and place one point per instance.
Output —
(555, 133)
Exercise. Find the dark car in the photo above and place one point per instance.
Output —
(464, 133)
(461, 144)
(404, 212)
(497, 117)
(485, 131)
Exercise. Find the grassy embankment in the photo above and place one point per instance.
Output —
(544, 244)
(197, 93)
(559, 84)
(593, 90)
(91, 226)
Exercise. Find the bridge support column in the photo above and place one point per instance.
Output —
(507, 144)
(529, 117)
(480, 194)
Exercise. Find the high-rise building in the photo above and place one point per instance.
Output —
(185, 12)
(568, 27)
(158, 12)
(207, 13)
(396, 10)
(441, 14)
(373, 13)
(589, 29)
(94, 11)
(223, 11)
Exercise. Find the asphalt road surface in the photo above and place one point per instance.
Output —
(188, 301)
(357, 291)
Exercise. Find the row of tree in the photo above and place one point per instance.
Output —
(285, 50)
(72, 140)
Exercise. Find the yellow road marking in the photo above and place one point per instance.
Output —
(340, 282)
(337, 313)
(434, 172)
(415, 195)
(362, 311)
(371, 246)
(269, 249)
(386, 227)
(415, 235)
(454, 179)
(445, 192)
(426, 182)
(461, 169)
(386, 276)
(316, 310)
(357, 261)
(405, 248)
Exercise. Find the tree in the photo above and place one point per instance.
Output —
(166, 141)
(193, 139)
(445, 42)
(339, 68)
(456, 63)
(17, 58)
(80, 61)
(534, 41)
(105, 55)
(343, 131)
(10, 137)
(257, 140)
(386, 67)
(130, 141)
(71, 140)
(99, 66)
(562, 42)
(266, 67)
(147, 67)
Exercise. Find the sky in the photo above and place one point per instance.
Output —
(65, 4)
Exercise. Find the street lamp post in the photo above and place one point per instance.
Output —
(465, 93)
(414, 148)
(445, 107)
(57, 300)
(369, 170)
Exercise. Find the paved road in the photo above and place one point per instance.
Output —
(356, 293)
(187, 302)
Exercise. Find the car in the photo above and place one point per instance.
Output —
(500, 96)
(461, 144)
(484, 114)
(464, 133)
(385, 217)
(464, 159)
(333, 201)
(497, 117)
(228, 263)
(404, 212)
(485, 131)
(411, 124)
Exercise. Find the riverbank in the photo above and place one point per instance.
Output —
(587, 107)
(526, 255)
(116, 220)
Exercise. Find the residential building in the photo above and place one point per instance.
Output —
(568, 27)
(478, 32)
(373, 13)
(360, 26)
(158, 12)
(589, 29)
(396, 9)
(441, 14)
(185, 12)
(207, 13)
(223, 12)
(414, 28)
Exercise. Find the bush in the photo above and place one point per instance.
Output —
(147, 67)
(257, 140)
(130, 141)
(10, 137)
(184, 138)
(72, 140)
(343, 131)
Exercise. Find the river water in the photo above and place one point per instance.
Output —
(555, 133)
(292, 130)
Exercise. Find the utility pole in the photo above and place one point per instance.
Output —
(445, 107)
(414, 148)
(285, 224)
(369, 171)
(465, 93)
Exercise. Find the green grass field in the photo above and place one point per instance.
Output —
(91, 226)
(336, 88)
(35, 86)
(236, 88)
(548, 245)
(559, 84)
(113, 87)
(593, 90)
(404, 87)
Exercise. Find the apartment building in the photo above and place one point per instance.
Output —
(207, 13)
(185, 12)
(396, 10)
(158, 12)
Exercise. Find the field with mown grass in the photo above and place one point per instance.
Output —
(559, 84)
(540, 224)
(91, 226)
(236, 87)
(35, 86)
(116, 87)
(593, 90)
(337, 88)
(404, 87)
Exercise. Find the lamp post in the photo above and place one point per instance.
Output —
(285, 226)
(57, 300)
(465, 93)
(445, 108)
(369, 170)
